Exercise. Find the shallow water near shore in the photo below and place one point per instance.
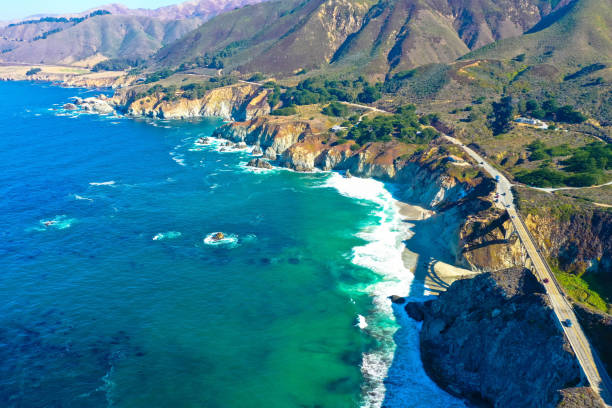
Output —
(113, 296)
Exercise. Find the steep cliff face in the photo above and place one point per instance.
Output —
(489, 241)
(494, 340)
(580, 240)
(273, 135)
(298, 145)
(237, 102)
(426, 176)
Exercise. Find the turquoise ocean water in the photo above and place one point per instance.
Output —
(110, 296)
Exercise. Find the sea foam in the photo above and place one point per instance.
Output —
(59, 222)
(166, 235)
(382, 253)
(228, 240)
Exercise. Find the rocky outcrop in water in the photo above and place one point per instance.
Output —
(98, 105)
(259, 163)
(495, 341)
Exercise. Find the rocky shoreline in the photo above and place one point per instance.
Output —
(432, 179)
(519, 358)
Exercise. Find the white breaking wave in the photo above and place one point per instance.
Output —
(166, 235)
(59, 222)
(78, 197)
(361, 322)
(103, 183)
(382, 253)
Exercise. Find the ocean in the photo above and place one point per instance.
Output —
(113, 294)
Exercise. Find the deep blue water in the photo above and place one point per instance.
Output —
(95, 312)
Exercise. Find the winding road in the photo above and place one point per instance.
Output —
(588, 359)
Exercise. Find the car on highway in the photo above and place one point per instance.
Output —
(545, 280)
(567, 323)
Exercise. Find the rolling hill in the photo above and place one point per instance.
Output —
(202, 9)
(101, 37)
(288, 35)
(580, 33)
(126, 32)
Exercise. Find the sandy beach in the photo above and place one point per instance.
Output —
(435, 274)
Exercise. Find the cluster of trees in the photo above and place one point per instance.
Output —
(589, 69)
(504, 111)
(198, 90)
(215, 60)
(539, 151)
(189, 91)
(46, 34)
(159, 75)
(320, 90)
(336, 109)
(33, 71)
(586, 165)
(404, 125)
(205, 61)
(288, 111)
(62, 19)
(117, 64)
(549, 109)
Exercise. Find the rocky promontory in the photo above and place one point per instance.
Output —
(495, 341)
(236, 102)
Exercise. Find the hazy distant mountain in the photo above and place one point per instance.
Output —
(100, 37)
(203, 9)
(133, 33)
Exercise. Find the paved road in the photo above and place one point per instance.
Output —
(551, 189)
(587, 357)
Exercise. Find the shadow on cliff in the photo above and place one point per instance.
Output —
(434, 241)
(406, 378)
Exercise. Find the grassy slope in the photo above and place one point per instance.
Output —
(580, 35)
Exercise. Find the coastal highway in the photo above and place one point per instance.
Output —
(588, 359)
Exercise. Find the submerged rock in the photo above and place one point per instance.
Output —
(495, 341)
(259, 163)
(218, 236)
(70, 106)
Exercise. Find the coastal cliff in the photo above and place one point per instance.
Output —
(520, 357)
(237, 102)
(580, 240)
(440, 177)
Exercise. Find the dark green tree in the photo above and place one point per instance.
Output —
(503, 112)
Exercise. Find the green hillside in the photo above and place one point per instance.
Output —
(576, 35)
